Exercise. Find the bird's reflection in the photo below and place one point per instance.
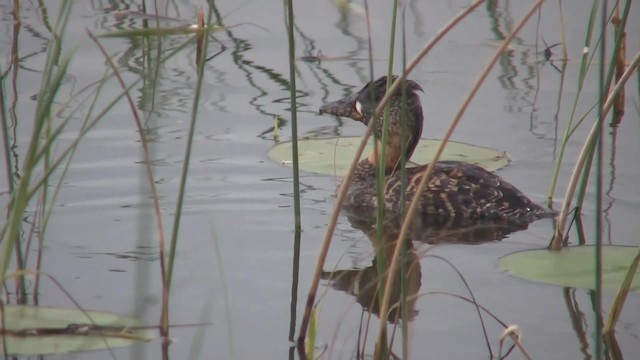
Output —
(439, 230)
(363, 282)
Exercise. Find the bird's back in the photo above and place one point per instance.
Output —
(456, 189)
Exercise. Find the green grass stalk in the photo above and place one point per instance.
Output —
(620, 38)
(382, 171)
(621, 296)
(556, 243)
(584, 65)
(382, 155)
(164, 319)
(290, 24)
(294, 116)
(63, 154)
(53, 75)
(310, 348)
(586, 61)
(404, 270)
(5, 137)
(414, 203)
(20, 199)
(67, 151)
(584, 179)
(187, 157)
(602, 98)
(48, 211)
(20, 283)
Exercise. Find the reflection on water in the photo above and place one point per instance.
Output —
(143, 254)
(580, 327)
(519, 95)
(447, 230)
(363, 282)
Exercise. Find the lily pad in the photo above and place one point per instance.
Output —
(334, 155)
(31, 330)
(573, 266)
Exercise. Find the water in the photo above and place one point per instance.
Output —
(235, 252)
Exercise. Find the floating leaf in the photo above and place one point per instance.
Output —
(31, 330)
(334, 155)
(573, 266)
(177, 30)
(166, 31)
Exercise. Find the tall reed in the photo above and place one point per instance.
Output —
(46, 133)
(42, 137)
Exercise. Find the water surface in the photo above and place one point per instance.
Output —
(234, 266)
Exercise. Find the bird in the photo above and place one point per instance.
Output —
(455, 190)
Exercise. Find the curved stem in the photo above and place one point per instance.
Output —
(347, 180)
(416, 199)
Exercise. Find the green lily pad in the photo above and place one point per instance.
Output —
(334, 155)
(31, 330)
(573, 266)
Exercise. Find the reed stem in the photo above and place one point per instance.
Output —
(384, 307)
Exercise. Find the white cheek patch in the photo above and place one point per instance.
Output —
(358, 107)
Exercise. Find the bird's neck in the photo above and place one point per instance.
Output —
(392, 156)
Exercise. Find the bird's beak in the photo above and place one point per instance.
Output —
(344, 107)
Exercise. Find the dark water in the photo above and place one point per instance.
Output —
(235, 258)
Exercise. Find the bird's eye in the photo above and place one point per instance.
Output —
(358, 107)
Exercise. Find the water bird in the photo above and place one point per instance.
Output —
(456, 190)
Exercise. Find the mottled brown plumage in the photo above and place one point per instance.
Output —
(455, 189)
